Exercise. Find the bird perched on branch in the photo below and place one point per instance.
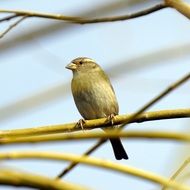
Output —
(94, 95)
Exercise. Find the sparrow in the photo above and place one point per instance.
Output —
(94, 96)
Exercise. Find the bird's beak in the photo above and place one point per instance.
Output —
(71, 66)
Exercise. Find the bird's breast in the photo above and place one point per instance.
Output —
(94, 96)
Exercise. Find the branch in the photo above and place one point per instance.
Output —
(8, 18)
(96, 163)
(96, 123)
(160, 135)
(179, 5)
(182, 167)
(12, 26)
(88, 152)
(19, 178)
(80, 20)
(165, 92)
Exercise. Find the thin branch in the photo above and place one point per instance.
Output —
(180, 169)
(88, 152)
(96, 163)
(158, 98)
(179, 5)
(18, 178)
(7, 18)
(96, 123)
(134, 116)
(160, 135)
(12, 26)
(80, 20)
(51, 27)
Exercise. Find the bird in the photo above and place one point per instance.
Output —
(94, 96)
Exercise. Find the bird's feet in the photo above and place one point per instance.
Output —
(110, 118)
(81, 123)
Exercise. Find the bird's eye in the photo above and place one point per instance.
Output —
(80, 62)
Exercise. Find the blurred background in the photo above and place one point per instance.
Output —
(142, 56)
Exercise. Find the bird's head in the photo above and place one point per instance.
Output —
(82, 64)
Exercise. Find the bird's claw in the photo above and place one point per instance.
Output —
(81, 123)
(110, 118)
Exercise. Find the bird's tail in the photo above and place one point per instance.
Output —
(118, 149)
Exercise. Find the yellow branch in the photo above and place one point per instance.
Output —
(179, 170)
(97, 123)
(12, 26)
(97, 163)
(13, 177)
(176, 136)
(80, 20)
(179, 5)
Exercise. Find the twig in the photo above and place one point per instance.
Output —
(160, 135)
(9, 18)
(12, 26)
(13, 177)
(80, 20)
(96, 123)
(182, 167)
(145, 107)
(158, 98)
(88, 152)
(100, 163)
(130, 134)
